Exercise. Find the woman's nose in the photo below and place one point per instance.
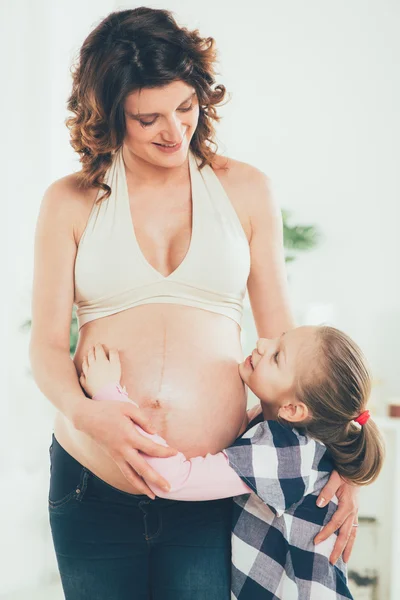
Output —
(174, 130)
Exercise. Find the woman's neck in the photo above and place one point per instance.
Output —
(142, 172)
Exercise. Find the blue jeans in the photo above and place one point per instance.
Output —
(111, 545)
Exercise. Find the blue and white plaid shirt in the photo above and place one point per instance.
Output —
(273, 553)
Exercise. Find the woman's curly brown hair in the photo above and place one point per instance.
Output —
(127, 51)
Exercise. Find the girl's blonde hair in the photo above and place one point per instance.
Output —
(336, 391)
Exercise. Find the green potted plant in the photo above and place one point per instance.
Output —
(297, 237)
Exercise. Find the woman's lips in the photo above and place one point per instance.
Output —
(169, 149)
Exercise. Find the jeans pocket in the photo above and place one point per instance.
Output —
(67, 477)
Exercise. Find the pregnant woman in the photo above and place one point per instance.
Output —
(155, 240)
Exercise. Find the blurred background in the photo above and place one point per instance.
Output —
(315, 96)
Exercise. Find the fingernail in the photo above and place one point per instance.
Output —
(166, 488)
(321, 502)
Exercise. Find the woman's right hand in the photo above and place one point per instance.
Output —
(111, 425)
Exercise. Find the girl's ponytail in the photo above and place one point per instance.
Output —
(336, 392)
(358, 456)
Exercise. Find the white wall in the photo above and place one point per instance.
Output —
(315, 96)
(38, 40)
(315, 91)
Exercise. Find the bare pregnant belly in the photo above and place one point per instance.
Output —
(180, 364)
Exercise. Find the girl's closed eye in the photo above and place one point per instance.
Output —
(276, 355)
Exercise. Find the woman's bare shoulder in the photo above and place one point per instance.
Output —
(246, 187)
(244, 183)
(237, 172)
(68, 189)
(65, 199)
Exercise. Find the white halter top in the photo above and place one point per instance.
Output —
(112, 274)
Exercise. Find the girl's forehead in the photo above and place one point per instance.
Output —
(302, 335)
(301, 343)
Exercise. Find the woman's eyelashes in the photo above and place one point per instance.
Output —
(186, 109)
(275, 356)
(148, 123)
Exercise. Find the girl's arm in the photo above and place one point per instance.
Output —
(275, 462)
(200, 478)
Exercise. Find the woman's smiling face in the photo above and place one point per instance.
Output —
(274, 366)
(160, 122)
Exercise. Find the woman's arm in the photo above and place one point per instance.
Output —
(267, 283)
(52, 299)
(53, 291)
(268, 293)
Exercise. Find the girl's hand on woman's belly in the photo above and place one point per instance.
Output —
(111, 425)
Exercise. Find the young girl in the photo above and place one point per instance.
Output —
(313, 386)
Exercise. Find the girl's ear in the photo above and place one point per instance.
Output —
(294, 412)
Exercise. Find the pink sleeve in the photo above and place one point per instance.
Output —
(199, 478)
(113, 391)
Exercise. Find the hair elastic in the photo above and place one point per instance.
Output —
(362, 418)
